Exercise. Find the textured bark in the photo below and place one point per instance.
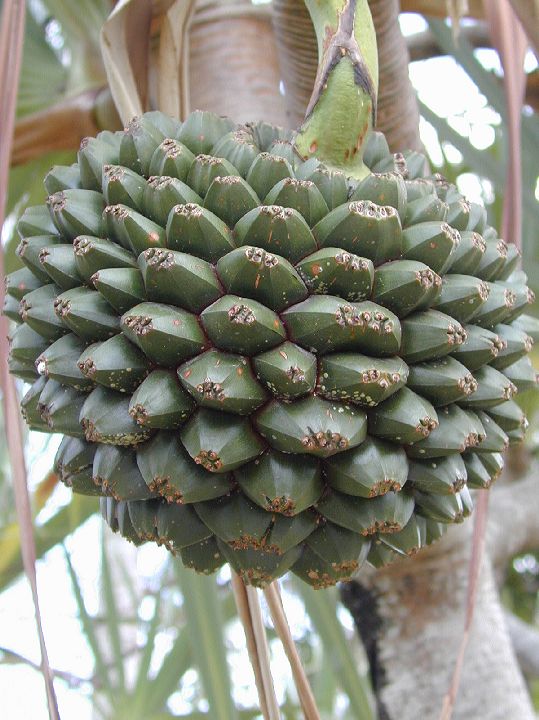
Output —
(411, 616)
(298, 55)
(514, 505)
(233, 61)
(525, 640)
(398, 115)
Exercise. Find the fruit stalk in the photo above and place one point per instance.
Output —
(342, 108)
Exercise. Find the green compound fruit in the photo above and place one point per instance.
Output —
(264, 358)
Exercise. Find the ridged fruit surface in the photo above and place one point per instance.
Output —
(259, 361)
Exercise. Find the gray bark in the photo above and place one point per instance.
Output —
(525, 639)
(411, 617)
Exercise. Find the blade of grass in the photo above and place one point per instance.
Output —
(142, 683)
(322, 610)
(243, 715)
(52, 532)
(121, 569)
(112, 615)
(33, 94)
(483, 162)
(177, 662)
(70, 14)
(325, 689)
(174, 666)
(88, 629)
(487, 82)
(205, 628)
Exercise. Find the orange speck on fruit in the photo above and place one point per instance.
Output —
(176, 322)
(239, 371)
(187, 373)
(313, 147)
(257, 281)
(432, 245)
(153, 237)
(276, 323)
(316, 269)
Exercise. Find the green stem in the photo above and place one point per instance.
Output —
(342, 108)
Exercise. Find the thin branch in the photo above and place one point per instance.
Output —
(249, 613)
(476, 560)
(14, 658)
(280, 623)
(528, 14)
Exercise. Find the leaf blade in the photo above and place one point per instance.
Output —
(205, 629)
(322, 609)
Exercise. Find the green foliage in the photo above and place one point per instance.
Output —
(491, 163)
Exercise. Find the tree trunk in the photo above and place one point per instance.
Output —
(411, 619)
(234, 64)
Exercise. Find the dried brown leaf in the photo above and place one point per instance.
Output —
(58, 127)
(125, 42)
(173, 71)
